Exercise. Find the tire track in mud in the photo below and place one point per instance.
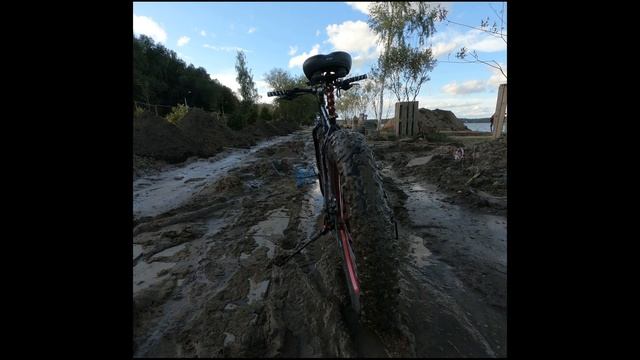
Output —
(445, 245)
(221, 297)
(231, 302)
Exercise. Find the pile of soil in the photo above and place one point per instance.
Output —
(198, 133)
(439, 120)
(144, 166)
(433, 120)
(155, 137)
(479, 178)
(262, 129)
(210, 133)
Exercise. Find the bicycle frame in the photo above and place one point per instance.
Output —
(329, 177)
(326, 122)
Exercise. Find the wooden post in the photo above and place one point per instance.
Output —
(398, 119)
(405, 118)
(501, 107)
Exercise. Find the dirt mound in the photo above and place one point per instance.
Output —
(155, 137)
(198, 133)
(144, 166)
(479, 178)
(210, 133)
(440, 120)
(262, 129)
(481, 174)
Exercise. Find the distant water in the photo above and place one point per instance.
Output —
(480, 127)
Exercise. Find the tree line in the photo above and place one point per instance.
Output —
(160, 77)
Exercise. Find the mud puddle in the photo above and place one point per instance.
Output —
(456, 273)
(211, 289)
(173, 187)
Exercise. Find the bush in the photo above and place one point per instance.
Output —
(177, 113)
(265, 114)
(239, 119)
(252, 113)
(436, 137)
(137, 111)
(247, 113)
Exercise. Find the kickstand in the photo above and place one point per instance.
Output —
(313, 238)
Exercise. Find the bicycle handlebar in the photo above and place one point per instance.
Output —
(344, 84)
(350, 80)
(291, 92)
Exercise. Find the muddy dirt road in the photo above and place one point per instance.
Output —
(206, 232)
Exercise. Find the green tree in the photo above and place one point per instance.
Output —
(352, 103)
(407, 68)
(370, 91)
(300, 110)
(161, 78)
(248, 90)
(247, 113)
(265, 114)
(403, 28)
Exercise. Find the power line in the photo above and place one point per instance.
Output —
(457, 62)
(494, 33)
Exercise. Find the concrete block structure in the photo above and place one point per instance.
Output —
(406, 124)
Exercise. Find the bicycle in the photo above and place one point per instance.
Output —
(355, 207)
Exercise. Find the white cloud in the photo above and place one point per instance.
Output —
(489, 43)
(146, 25)
(184, 40)
(473, 86)
(203, 33)
(465, 107)
(362, 6)
(497, 78)
(442, 48)
(352, 36)
(228, 79)
(446, 42)
(226, 48)
(356, 38)
(263, 87)
(299, 60)
(183, 56)
(293, 50)
(251, 30)
(467, 87)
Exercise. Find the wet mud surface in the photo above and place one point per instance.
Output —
(204, 282)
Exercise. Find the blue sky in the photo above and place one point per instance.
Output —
(284, 34)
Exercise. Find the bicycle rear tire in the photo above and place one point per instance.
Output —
(370, 224)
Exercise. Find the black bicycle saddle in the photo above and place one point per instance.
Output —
(321, 68)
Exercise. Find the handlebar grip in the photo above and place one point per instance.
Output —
(277, 93)
(356, 78)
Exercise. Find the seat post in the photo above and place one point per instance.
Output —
(331, 104)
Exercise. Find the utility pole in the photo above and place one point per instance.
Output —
(185, 100)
